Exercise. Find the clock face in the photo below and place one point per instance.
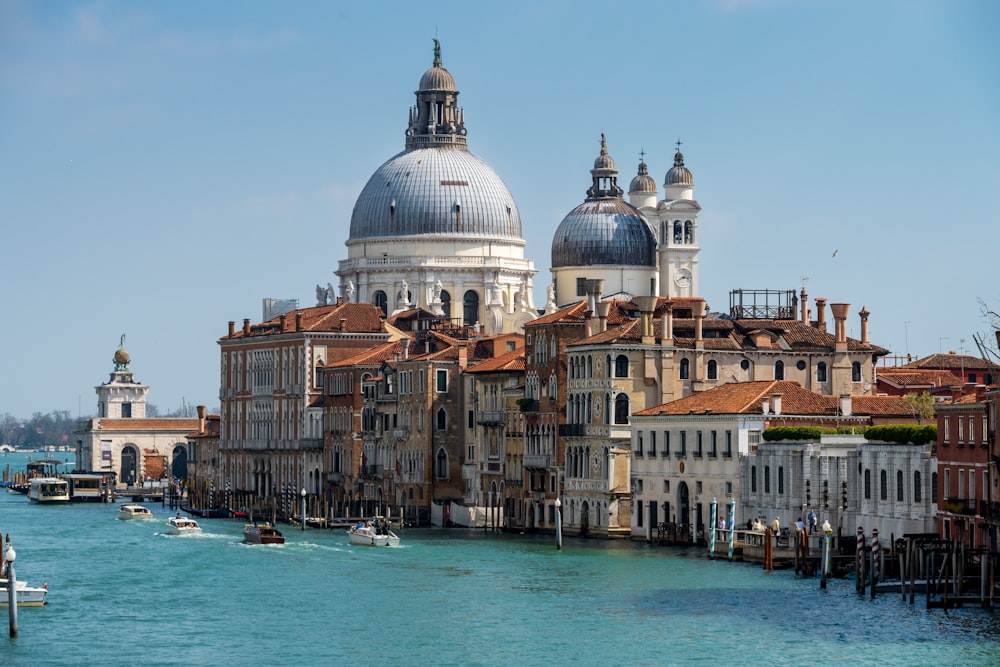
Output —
(682, 278)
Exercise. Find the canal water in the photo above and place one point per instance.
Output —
(126, 593)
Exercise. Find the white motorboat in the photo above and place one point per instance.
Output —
(48, 490)
(374, 533)
(130, 512)
(27, 596)
(179, 525)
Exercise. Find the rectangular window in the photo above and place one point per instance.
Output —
(972, 485)
(753, 439)
(472, 452)
(552, 483)
(982, 436)
(638, 516)
(652, 443)
(728, 453)
(420, 378)
(972, 430)
(961, 431)
(713, 443)
(729, 488)
(666, 443)
(697, 487)
(947, 483)
(472, 419)
(126, 410)
(638, 444)
(666, 486)
(697, 446)
(947, 430)
(682, 451)
(442, 380)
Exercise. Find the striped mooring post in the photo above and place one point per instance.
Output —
(732, 526)
(711, 534)
(859, 562)
(876, 559)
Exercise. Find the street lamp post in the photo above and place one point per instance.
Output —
(303, 516)
(9, 557)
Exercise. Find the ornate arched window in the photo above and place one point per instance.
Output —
(713, 370)
(446, 303)
(441, 467)
(380, 301)
(470, 308)
(621, 409)
(685, 369)
(621, 366)
(779, 370)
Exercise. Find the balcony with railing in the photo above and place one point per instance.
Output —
(989, 509)
(487, 417)
(537, 460)
(963, 506)
(588, 485)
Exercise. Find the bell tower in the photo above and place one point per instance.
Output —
(678, 227)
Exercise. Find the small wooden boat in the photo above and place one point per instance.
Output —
(129, 512)
(212, 513)
(178, 525)
(262, 534)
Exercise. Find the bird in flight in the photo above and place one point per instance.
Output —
(835, 252)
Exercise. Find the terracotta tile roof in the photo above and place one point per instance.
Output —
(748, 398)
(902, 377)
(348, 317)
(880, 406)
(510, 361)
(952, 361)
(572, 314)
(372, 357)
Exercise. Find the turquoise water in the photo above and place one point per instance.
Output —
(125, 593)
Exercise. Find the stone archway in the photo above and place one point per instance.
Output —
(585, 518)
(683, 506)
(179, 464)
(129, 466)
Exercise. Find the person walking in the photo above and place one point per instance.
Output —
(776, 529)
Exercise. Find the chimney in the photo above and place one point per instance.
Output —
(667, 324)
(646, 306)
(282, 319)
(776, 403)
(864, 325)
(201, 418)
(298, 321)
(343, 324)
(765, 406)
(845, 405)
(840, 313)
(463, 356)
(698, 309)
(340, 301)
(232, 328)
(602, 315)
(821, 314)
(804, 302)
(246, 326)
(406, 348)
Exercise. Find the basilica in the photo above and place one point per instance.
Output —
(428, 382)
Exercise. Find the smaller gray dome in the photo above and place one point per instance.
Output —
(604, 232)
(643, 182)
(604, 161)
(678, 174)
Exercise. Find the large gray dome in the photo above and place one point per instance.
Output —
(442, 191)
(604, 232)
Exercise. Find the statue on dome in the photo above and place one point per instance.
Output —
(437, 52)
(404, 293)
(349, 291)
(436, 291)
(331, 294)
(320, 295)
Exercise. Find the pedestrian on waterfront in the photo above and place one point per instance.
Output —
(812, 521)
(800, 525)
(776, 529)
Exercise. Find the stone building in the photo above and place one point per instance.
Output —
(123, 441)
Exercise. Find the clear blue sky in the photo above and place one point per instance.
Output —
(166, 165)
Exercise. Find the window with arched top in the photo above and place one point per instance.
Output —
(470, 308)
(753, 479)
(380, 301)
(856, 372)
(621, 366)
(621, 408)
(899, 485)
(441, 464)
(779, 370)
(917, 491)
(678, 233)
(712, 372)
(883, 490)
(684, 369)
(441, 420)
(688, 232)
(868, 484)
(446, 303)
